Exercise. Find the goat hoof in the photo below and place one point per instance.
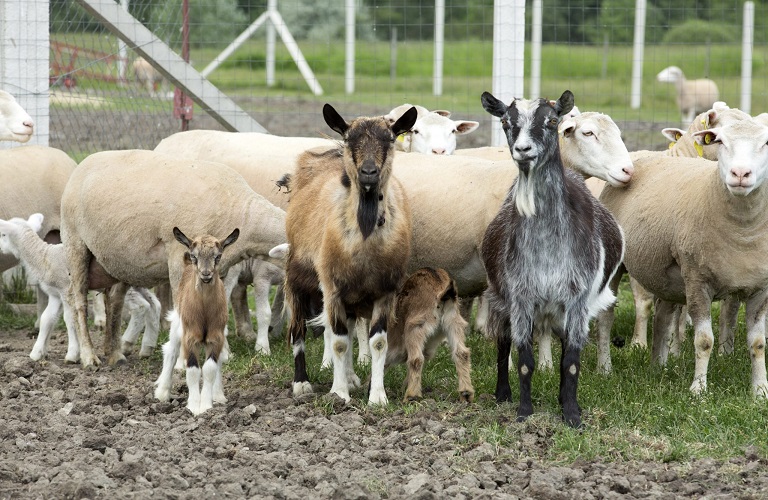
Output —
(411, 399)
(523, 413)
(618, 341)
(467, 396)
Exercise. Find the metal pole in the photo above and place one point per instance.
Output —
(271, 38)
(349, 79)
(637, 55)
(536, 51)
(186, 103)
(122, 50)
(746, 56)
(508, 57)
(437, 75)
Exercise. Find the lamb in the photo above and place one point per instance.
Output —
(128, 238)
(676, 257)
(426, 314)
(46, 264)
(693, 96)
(550, 253)
(199, 319)
(349, 233)
(147, 75)
(15, 123)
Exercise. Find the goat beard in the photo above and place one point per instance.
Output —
(368, 211)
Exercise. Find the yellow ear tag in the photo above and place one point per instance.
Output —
(708, 139)
(401, 138)
(699, 148)
(672, 144)
(678, 136)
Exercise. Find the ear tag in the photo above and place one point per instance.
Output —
(672, 144)
(708, 139)
(401, 138)
(678, 136)
(699, 148)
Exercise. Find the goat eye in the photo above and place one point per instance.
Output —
(504, 124)
(553, 122)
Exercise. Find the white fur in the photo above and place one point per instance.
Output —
(693, 96)
(15, 123)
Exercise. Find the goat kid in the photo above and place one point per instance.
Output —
(200, 320)
(550, 253)
(349, 229)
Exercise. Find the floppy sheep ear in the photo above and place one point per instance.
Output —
(567, 127)
(405, 122)
(466, 127)
(35, 221)
(334, 119)
(492, 105)
(565, 104)
(706, 137)
(230, 239)
(181, 237)
(673, 134)
(280, 251)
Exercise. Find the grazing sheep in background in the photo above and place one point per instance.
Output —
(693, 96)
(696, 233)
(15, 123)
(550, 253)
(46, 264)
(116, 210)
(199, 320)
(349, 233)
(426, 314)
(147, 75)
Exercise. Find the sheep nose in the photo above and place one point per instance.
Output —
(29, 123)
(438, 151)
(741, 173)
(629, 170)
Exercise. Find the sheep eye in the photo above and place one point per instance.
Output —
(588, 133)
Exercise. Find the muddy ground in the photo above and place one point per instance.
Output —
(66, 433)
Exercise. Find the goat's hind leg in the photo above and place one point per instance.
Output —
(212, 372)
(455, 327)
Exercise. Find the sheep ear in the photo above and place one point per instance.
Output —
(567, 127)
(706, 137)
(442, 112)
(465, 127)
(181, 237)
(673, 134)
(564, 105)
(230, 239)
(35, 221)
(6, 226)
(334, 120)
(492, 105)
(405, 122)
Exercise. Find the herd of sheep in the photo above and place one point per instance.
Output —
(371, 243)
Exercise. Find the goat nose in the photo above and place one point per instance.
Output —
(369, 169)
(522, 148)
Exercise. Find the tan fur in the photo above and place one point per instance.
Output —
(120, 207)
(147, 75)
(427, 313)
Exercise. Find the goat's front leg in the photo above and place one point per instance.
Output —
(755, 313)
(570, 367)
(377, 341)
(212, 385)
(503, 348)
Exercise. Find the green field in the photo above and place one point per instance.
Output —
(599, 77)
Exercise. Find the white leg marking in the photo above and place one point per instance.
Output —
(193, 385)
(378, 344)
(341, 356)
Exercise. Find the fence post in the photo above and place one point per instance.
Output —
(508, 57)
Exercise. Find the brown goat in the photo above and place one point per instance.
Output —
(200, 319)
(349, 229)
(426, 314)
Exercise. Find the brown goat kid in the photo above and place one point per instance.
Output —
(349, 229)
(200, 320)
(426, 314)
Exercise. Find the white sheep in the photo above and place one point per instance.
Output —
(147, 75)
(15, 123)
(695, 233)
(433, 133)
(46, 265)
(199, 319)
(119, 208)
(693, 96)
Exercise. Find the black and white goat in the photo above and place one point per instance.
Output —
(550, 252)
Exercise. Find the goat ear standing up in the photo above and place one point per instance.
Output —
(564, 105)
(338, 124)
(182, 238)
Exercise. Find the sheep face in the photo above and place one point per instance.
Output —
(368, 152)
(672, 74)
(204, 252)
(10, 229)
(523, 119)
(742, 154)
(595, 148)
(15, 123)
(435, 134)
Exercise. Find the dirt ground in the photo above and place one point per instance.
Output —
(67, 433)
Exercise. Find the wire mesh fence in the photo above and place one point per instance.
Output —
(101, 98)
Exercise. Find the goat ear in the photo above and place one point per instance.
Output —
(334, 120)
(564, 105)
(492, 105)
(405, 122)
(673, 134)
(230, 239)
(181, 237)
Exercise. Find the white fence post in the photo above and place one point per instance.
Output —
(508, 57)
(24, 61)
(437, 67)
(746, 56)
(636, 95)
(536, 51)
(349, 66)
